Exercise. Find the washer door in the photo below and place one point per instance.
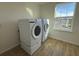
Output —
(36, 31)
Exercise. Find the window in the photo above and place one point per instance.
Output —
(65, 9)
(64, 13)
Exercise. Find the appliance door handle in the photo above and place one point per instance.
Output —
(32, 22)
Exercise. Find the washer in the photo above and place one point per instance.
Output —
(30, 34)
(45, 25)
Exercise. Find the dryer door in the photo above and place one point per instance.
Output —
(45, 27)
(36, 31)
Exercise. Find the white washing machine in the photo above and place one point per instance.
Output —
(30, 34)
(45, 25)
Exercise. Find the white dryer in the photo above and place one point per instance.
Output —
(30, 34)
(45, 25)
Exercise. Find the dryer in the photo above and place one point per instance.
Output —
(30, 34)
(45, 29)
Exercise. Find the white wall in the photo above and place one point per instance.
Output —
(47, 11)
(10, 13)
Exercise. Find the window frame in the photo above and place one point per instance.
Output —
(72, 17)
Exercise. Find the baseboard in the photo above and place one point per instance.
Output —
(50, 36)
(9, 48)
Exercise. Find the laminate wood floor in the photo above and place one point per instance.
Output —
(50, 47)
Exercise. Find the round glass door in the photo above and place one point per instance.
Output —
(45, 27)
(36, 31)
